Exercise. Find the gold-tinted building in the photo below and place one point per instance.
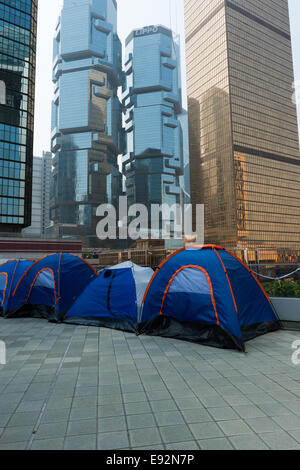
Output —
(244, 147)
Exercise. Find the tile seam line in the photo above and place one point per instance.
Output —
(53, 383)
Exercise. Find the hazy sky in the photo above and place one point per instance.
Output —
(132, 14)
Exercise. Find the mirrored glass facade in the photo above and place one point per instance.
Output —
(18, 25)
(244, 147)
(86, 116)
(154, 158)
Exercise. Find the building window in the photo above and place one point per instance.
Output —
(2, 92)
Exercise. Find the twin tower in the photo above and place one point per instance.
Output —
(102, 111)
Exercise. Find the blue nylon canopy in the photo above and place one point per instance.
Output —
(207, 295)
(54, 281)
(10, 274)
(113, 299)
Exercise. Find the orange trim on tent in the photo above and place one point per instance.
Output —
(37, 275)
(217, 247)
(156, 272)
(86, 262)
(209, 283)
(30, 267)
(249, 270)
(228, 280)
(6, 282)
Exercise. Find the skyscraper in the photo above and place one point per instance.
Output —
(86, 117)
(244, 147)
(17, 82)
(153, 161)
(41, 174)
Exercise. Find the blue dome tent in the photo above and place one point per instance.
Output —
(207, 295)
(114, 299)
(10, 274)
(50, 286)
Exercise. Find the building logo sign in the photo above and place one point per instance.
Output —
(147, 30)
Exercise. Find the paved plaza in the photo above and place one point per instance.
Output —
(72, 387)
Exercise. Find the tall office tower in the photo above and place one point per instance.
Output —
(244, 148)
(40, 218)
(18, 24)
(153, 161)
(86, 117)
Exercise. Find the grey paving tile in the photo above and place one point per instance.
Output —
(88, 442)
(154, 447)
(188, 403)
(134, 397)
(4, 418)
(220, 443)
(169, 418)
(205, 430)
(234, 427)
(106, 411)
(110, 399)
(24, 419)
(260, 425)
(113, 440)
(82, 402)
(154, 395)
(288, 422)
(223, 414)
(144, 437)
(51, 430)
(116, 423)
(55, 416)
(82, 427)
(213, 402)
(141, 421)
(14, 446)
(196, 416)
(86, 412)
(178, 433)
(279, 441)
(248, 442)
(48, 444)
(274, 409)
(295, 434)
(59, 403)
(191, 445)
(163, 405)
(137, 408)
(249, 411)
(16, 434)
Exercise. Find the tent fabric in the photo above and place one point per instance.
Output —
(206, 294)
(114, 299)
(50, 286)
(10, 274)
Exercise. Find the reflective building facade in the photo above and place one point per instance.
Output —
(18, 25)
(153, 160)
(86, 116)
(244, 147)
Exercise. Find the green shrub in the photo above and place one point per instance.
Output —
(283, 288)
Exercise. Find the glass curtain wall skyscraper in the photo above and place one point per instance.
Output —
(244, 147)
(18, 25)
(153, 161)
(86, 118)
